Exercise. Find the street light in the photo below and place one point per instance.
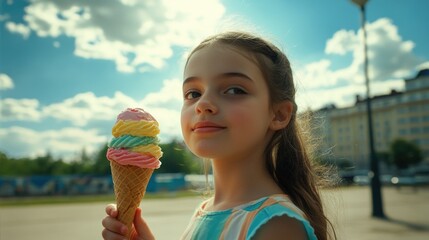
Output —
(374, 174)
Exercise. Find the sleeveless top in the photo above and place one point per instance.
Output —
(242, 222)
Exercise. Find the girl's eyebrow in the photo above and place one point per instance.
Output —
(234, 74)
(222, 75)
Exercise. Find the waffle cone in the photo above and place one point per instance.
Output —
(130, 184)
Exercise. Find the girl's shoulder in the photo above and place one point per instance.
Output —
(278, 205)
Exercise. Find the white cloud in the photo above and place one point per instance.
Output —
(19, 109)
(5, 82)
(56, 44)
(166, 105)
(169, 122)
(424, 65)
(342, 42)
(170, 96)
(390, 59)
(343, 96)
(131, 33)
(86, 107)
(389, 56)
(18, 28)
(84, 110)
(66, 142)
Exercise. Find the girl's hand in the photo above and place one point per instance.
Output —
(114, 229)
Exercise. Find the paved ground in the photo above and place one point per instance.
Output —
(408, 213)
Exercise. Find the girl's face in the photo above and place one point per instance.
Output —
(226, 111)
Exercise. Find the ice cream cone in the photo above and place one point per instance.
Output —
(134, 155)
(130, 184)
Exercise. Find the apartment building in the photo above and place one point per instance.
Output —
(344, 131)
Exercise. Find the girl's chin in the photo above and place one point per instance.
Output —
(205, 152)
(209, 148)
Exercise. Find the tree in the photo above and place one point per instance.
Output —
(16, 167)
(43, 165)
(101, 164)
(177, 159)
(5, 166)
(405, 153)
(86, 163)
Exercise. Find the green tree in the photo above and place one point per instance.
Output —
(59, 167)
(86, 163)
(101, 164)
(405, 153)
(5, 165)
(15, 167)
(43, 165)
(177, 159)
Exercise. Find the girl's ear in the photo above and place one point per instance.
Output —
(282, 115)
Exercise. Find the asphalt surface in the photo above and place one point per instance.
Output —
(349, 210)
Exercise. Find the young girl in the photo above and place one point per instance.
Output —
(239, 111)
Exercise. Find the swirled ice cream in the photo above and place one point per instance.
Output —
(133, 154)
(135, 142)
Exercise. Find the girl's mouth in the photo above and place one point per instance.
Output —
(207, 127)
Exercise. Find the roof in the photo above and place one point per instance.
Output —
(422, 73)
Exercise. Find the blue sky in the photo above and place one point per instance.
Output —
(68, 67)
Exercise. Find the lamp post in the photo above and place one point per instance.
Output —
(374, 174)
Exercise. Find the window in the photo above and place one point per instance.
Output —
(414, 108)
(414, 119)
(402, 120)
(415, 130)
(402, 110)
(403, 132)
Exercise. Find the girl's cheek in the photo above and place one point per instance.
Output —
(185, 117)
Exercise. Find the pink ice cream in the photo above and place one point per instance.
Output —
(134, 125)
(135, 114)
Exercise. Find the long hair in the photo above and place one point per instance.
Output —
(288, 158)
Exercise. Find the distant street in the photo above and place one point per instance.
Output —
(407, 209)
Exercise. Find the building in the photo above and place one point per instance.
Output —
(405, 115)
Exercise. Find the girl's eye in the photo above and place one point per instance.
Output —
(235, 91)
(192, 94)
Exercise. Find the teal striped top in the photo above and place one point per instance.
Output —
(243, 221)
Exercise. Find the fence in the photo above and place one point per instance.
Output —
(80, 185)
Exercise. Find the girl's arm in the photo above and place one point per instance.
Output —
(281, 228)
(114, 229)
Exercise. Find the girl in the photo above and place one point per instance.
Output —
(239, 111)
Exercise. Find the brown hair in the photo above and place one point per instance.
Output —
(287, 156)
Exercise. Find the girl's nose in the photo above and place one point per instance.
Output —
(206, 105)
